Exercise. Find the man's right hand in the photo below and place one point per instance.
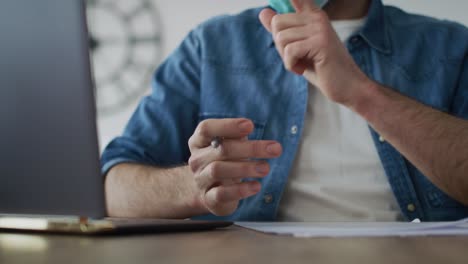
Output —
(219, 171)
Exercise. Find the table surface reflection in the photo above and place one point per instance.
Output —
(231, 245)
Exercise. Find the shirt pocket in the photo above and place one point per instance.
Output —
(259, 126)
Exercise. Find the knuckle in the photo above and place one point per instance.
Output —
(203, 128)
(321, 17)
(191, 142)
(218, 197)
(194, 163)
(275, 23)
(214, 170)
(280, 38)
(223, 151)
(290, 50)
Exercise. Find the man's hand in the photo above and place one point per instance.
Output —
(435, 142)
(309, 46)
(219, 171)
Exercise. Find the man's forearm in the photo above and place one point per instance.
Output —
(435, 142)
(148, 192)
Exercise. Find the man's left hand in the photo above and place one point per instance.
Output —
(309, 46)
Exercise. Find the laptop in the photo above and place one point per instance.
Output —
(50, 178)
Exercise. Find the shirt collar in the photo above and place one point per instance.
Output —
(374, 31)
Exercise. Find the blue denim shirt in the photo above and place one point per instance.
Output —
(228, 67)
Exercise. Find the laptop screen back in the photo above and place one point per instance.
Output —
(49, 157)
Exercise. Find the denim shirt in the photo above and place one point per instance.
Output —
(228, 67)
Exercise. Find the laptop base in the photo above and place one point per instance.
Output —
(110, 226)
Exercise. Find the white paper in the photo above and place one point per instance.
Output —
(374, 229)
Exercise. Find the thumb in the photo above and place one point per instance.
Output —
(304, 5)
(266, 16)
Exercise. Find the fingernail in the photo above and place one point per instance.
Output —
(274, 149)
(245, 126)
(262, 168)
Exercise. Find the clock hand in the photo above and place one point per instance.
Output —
(142, 39)
(104, 41)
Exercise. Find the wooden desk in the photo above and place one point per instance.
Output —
(233, 245)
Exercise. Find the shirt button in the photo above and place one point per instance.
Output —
(268, 199)
(411, 207)
(294, 130)
(382, 139)
(355, 40)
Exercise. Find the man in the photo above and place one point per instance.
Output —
(270, 112)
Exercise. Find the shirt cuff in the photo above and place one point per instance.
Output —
(107, 166)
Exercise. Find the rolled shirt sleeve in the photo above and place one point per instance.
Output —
(158, 132)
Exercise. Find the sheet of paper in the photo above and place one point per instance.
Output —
(378, 229)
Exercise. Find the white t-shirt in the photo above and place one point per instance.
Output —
(337, 175)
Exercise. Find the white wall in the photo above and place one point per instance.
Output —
(179, 16)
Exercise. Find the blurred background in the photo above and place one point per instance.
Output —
(129, 39)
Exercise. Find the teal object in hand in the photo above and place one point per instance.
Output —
(282, 6)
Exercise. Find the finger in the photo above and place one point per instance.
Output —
(222, 194)
(228, 172)
(240, 150)
(285, 21)
(290, 35)
(266, 16)
(224, 128)
(234, 150)
(300, 68)
(294, 53)
(304, 5)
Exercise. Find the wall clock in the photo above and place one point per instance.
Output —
(126, 47)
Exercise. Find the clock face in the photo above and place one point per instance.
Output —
(125, 43)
